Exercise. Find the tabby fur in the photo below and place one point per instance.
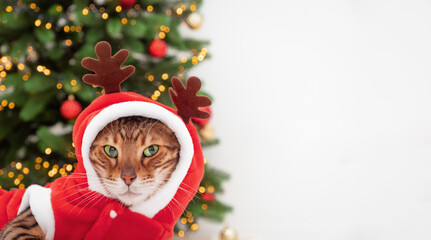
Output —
(128, 175)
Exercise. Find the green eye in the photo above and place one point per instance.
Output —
(111, 151)
(151, 150)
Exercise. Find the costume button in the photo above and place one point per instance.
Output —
(113, 214)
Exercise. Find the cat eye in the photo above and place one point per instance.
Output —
(151, 150)
(111, 151)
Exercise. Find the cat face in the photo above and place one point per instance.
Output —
(134, 157)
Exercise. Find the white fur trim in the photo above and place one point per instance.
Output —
(39, 200)
(159, 201)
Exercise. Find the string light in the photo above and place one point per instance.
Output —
(162, 35)
(194, 227)
(183, 220)
(73, 82)
(193, 7)
(21, 66)
(150, 78)
(11, 105)
(33, 5)
(124, 20)
(204, 206)
(201, 189)
(48, 26)
(105, 16)
(66, 28)
(85, 11)
(47, 152)
(38, 160)
(25, 170)
(150, 8)
(118, 8)
(68, 42)
(211, 189)
(10, 174)
(9, 9)
(157, 93)
(2, 88)
(37, 23)
(165, 76)
(181, 234)
(45, 164)
(162, 88)
(59, 8)
(183, 59)
(59, 86)
(179, 11)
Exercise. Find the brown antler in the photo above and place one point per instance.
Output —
(186, 101)
(108, 71)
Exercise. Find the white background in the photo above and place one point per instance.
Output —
(323, 109)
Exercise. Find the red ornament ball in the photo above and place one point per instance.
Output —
(203, 122)
(70, 109)
(158, 48)
(126, 4)
(209, 197)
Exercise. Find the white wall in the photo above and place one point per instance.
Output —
(324, 113)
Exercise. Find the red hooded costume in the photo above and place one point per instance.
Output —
(77, 206)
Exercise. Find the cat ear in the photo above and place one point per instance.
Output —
(107, 69)
(186, 101)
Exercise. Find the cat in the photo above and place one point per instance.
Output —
(132, 156)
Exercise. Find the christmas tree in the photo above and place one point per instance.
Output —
(41, 93)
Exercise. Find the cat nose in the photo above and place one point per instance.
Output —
(128, 178)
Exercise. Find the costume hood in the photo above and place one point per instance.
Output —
(78, 207)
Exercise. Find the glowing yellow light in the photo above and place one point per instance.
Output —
(201, 189)
(85, 11)
(37, 23)
(73, 82)
(183, 7)
(200, 58)
(133, 22)
(66, 28)
(150, 8)
(162, 88)
(50, 174)
(181, 234)
(157, 93)
(137, 7)
(9, 9)
(204, 206)
(1, 108)
(167, 29)
(38, 160)
(10, 174)
(72, 28)
(190, 219)
(75, 88)
(47, 72)
(55, 166)
(33, 5)
(11, 105)
(25, 170)
(54, 170)
(102, 9)
(17, 181)
(21, 186)
(69, 167)
(162, 35)
(92, 6)
(8, 66)
(179, 11)
(13, 164)
(2, 88)
(20, 177)
(193, 7)
(48, 151)
(78, 29)
(194, 227)
(124, 20)
(62, 171)
(183, 220)
(40, 68)
(59, 86)
(150, 78)
(59, 8)
(48, 25)
(154, 97)
(37, 166)
(46, 164)
(118, 8)
(4, 103)
(105, 16)
(25, 77)
(3, 74)
(68, 42)
(73, 144)
(165, 76)
(70, 154)
(1, 67)
(204, 50)
(21, 66)
(162, 28)
(183, 59)
(211, 189)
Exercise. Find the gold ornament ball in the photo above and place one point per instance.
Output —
(207, 132)
(228, 234)
(194, 20)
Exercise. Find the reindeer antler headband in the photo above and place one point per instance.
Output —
(109, 75)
